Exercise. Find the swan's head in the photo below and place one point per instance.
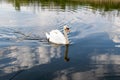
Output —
(66, 28)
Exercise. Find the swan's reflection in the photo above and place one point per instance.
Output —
(25, 57)
(66, 58)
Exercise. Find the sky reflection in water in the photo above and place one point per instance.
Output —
(92, 55)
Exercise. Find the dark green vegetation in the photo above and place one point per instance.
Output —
(106, 5)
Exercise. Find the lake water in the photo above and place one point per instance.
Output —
(94, 50)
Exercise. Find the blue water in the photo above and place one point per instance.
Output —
(25, 54)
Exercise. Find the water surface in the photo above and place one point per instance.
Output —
(93, 53)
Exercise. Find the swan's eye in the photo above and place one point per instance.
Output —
(67, 28)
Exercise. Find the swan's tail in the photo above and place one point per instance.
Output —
(47, 35)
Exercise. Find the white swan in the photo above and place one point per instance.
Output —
(55, 36)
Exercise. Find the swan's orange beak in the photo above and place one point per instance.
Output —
(67, 30)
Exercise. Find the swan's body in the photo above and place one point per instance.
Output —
(55, 36)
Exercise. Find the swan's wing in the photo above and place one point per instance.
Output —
(57, 37)
(47, 35)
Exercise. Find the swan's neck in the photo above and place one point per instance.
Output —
(66, 37)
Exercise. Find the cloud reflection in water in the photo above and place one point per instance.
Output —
(24, 57)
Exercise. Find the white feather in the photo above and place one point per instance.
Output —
(47, 35)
